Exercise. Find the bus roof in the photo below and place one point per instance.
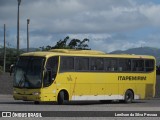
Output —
(75, 51)
(91, 53)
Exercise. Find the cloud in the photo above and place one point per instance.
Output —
(109, 24)
(81, 16)
(151, 11)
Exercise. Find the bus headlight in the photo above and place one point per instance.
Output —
(36, 93)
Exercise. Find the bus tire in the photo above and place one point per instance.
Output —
(129, 96)
(61, 98)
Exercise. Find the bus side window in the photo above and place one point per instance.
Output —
(97, 64)
(111, 64)
(124, 64)
(67, 64)
(82, 64)
(107, 64)
(51, 71)
(138, 65)
(52, 64)
(114, 65)
(149, 65)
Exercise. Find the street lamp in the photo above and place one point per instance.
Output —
(19, 2)
(4, 69)
(28, 35)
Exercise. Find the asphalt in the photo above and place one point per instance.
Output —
(6, 83)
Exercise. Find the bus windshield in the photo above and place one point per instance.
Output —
(28, 72)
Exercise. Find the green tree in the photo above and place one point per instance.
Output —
(61, 44)
(74, 44)
(83, 45)
(66, 44)
(11, 57)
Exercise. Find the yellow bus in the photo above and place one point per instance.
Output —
(62, 75)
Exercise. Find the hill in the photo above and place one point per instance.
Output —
(141, 51)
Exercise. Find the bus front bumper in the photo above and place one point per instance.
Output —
(34, 97)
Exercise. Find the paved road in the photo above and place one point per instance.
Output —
(7, 103)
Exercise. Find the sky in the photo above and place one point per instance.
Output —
(109, 24)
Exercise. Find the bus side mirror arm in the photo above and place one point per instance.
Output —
(12, 69)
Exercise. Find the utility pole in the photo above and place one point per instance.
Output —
(28, 35)
(19, 1)
(4, 65)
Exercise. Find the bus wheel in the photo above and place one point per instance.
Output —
(129, 96)
(61, 98)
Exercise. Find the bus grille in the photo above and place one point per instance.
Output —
(149, 91)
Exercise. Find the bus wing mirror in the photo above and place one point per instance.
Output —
(12, 67)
